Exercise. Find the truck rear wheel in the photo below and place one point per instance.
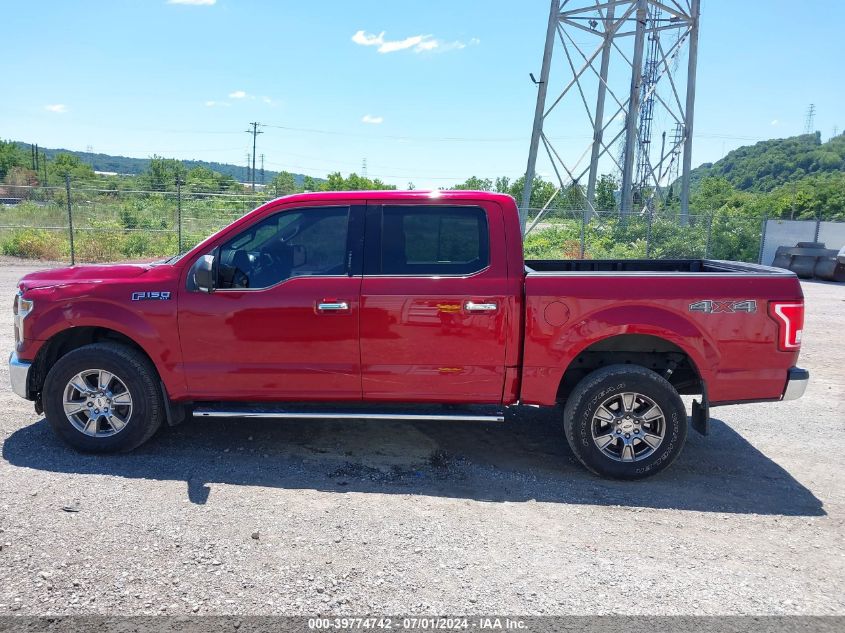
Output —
(103, 398)
(625, 422)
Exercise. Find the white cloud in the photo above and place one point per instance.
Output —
(428, 45)
(195, 3)
(368, 40)
(238, 94)
(369, 118)
(400, 45)
(417, 43)
(58, 108)
(774, 122)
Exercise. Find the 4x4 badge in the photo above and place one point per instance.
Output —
(714, 306)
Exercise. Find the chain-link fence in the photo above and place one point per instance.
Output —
(88, 224)
(575, 234)
(84, 223)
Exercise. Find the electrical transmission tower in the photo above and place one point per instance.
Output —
(671, 169)
(651, 73)
(619, 62)
(811, 116)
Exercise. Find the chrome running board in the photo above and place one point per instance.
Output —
(474, 414)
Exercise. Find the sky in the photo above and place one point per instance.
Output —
(426, 91)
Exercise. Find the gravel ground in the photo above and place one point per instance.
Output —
(258, 517)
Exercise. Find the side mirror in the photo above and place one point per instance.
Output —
(203, 273)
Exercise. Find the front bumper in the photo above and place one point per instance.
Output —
(19, 375)
(796, 383)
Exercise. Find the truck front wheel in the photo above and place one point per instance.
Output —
(625, 422)
(103, 398)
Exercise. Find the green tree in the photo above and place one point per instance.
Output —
(64, 164)
(161, 174)
(541, 192)
(336, 182)
(606, 188)
(503, 184)
(11, 155)
(473, 183)
(202, 180)
(283, 184)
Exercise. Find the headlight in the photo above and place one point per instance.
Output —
(21, 307)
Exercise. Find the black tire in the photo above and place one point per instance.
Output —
(602, 386)
(133, 369)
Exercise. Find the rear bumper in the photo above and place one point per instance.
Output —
(19, 375)
(796, 383)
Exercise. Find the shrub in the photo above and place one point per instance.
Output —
(140, 244)
(34, 244)
(99, 245)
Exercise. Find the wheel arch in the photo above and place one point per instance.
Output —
(72, 338)
(651, 351)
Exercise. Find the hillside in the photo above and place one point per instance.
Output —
(769, 164)
(135, 166)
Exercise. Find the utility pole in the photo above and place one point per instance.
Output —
(364, 168)
(255, 132)
(262, 169)
(246, 180)
(808, 122)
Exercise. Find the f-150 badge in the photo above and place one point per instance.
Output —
(151, 295)
(713, 306)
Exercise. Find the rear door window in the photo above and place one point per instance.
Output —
(434, 240)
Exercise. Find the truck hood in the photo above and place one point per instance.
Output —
(86, 274)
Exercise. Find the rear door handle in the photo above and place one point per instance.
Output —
(332, 305)
(472, 306)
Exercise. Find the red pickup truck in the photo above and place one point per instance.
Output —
(408, 305)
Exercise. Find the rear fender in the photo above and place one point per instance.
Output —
(613, 321)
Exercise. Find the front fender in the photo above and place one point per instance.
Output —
(149, 324)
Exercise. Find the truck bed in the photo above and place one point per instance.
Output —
(706, 266)
(715, 311)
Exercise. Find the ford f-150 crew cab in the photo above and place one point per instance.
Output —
(407, 305)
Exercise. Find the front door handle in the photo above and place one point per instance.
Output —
(332, 305)
(472, 306)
